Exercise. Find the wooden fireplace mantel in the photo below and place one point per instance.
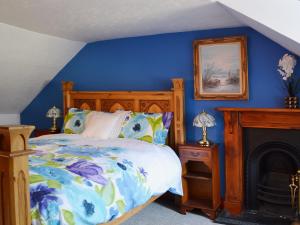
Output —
(235, 119)
(283, 110)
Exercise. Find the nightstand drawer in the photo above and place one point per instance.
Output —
(195, 154)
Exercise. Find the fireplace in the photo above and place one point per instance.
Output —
(244, 157)
(271, 157)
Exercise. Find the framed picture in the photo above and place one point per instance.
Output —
(220, 69)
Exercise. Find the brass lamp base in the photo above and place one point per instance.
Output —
(204, 143)
(53, 130)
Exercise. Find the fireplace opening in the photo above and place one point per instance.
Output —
(270, 167)
(272, 156)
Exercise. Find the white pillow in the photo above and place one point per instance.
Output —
(104, 125)
(100, 125)
(118, 127)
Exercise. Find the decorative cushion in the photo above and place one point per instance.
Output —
(103, 125)
(74, 122)
(149, 127)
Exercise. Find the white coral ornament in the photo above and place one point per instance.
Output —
(286, 66)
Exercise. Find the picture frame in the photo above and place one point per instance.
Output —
(221, 68)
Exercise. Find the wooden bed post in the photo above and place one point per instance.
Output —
(14, 175)
(67, 87)
(178, 95)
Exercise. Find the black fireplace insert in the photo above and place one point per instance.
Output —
(271, 157)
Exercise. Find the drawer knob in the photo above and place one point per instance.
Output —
(195, 154)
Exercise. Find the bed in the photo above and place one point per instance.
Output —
(55, 151)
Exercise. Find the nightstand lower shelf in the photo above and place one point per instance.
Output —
(198, 175)
(202, 203)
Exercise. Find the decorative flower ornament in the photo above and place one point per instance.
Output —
(286, 67)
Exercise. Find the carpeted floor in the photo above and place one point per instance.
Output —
(162, 214)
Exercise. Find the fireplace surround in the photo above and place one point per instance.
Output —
(236, 123)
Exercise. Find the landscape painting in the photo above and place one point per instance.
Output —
(220, 71)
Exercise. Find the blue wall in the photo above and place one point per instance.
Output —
(148, 63)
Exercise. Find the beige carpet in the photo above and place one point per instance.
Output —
(158, 214)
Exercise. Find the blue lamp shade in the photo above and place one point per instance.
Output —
(204, 120)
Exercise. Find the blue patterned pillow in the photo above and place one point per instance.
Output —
(75, 121)
(149, 127)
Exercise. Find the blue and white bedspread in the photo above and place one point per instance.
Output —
(75, 180)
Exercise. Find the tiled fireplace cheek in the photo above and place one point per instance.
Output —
(271, 156)
(237, 123)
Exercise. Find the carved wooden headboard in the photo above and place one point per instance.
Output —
(137, 101)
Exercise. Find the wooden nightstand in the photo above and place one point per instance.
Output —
(200, 179)
(41, 132)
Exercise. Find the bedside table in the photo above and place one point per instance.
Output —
(41, 132)
(200, 179)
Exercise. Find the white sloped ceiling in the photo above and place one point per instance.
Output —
(95, 20)
(276, 19)
(28, 61)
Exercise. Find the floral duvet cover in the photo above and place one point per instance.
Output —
(75, 180)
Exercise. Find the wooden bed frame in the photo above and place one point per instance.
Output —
(14, 175)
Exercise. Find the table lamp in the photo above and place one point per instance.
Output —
(53, 113)
(204, 120)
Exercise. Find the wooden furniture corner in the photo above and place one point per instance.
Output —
(14, 177)
(200, 179)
